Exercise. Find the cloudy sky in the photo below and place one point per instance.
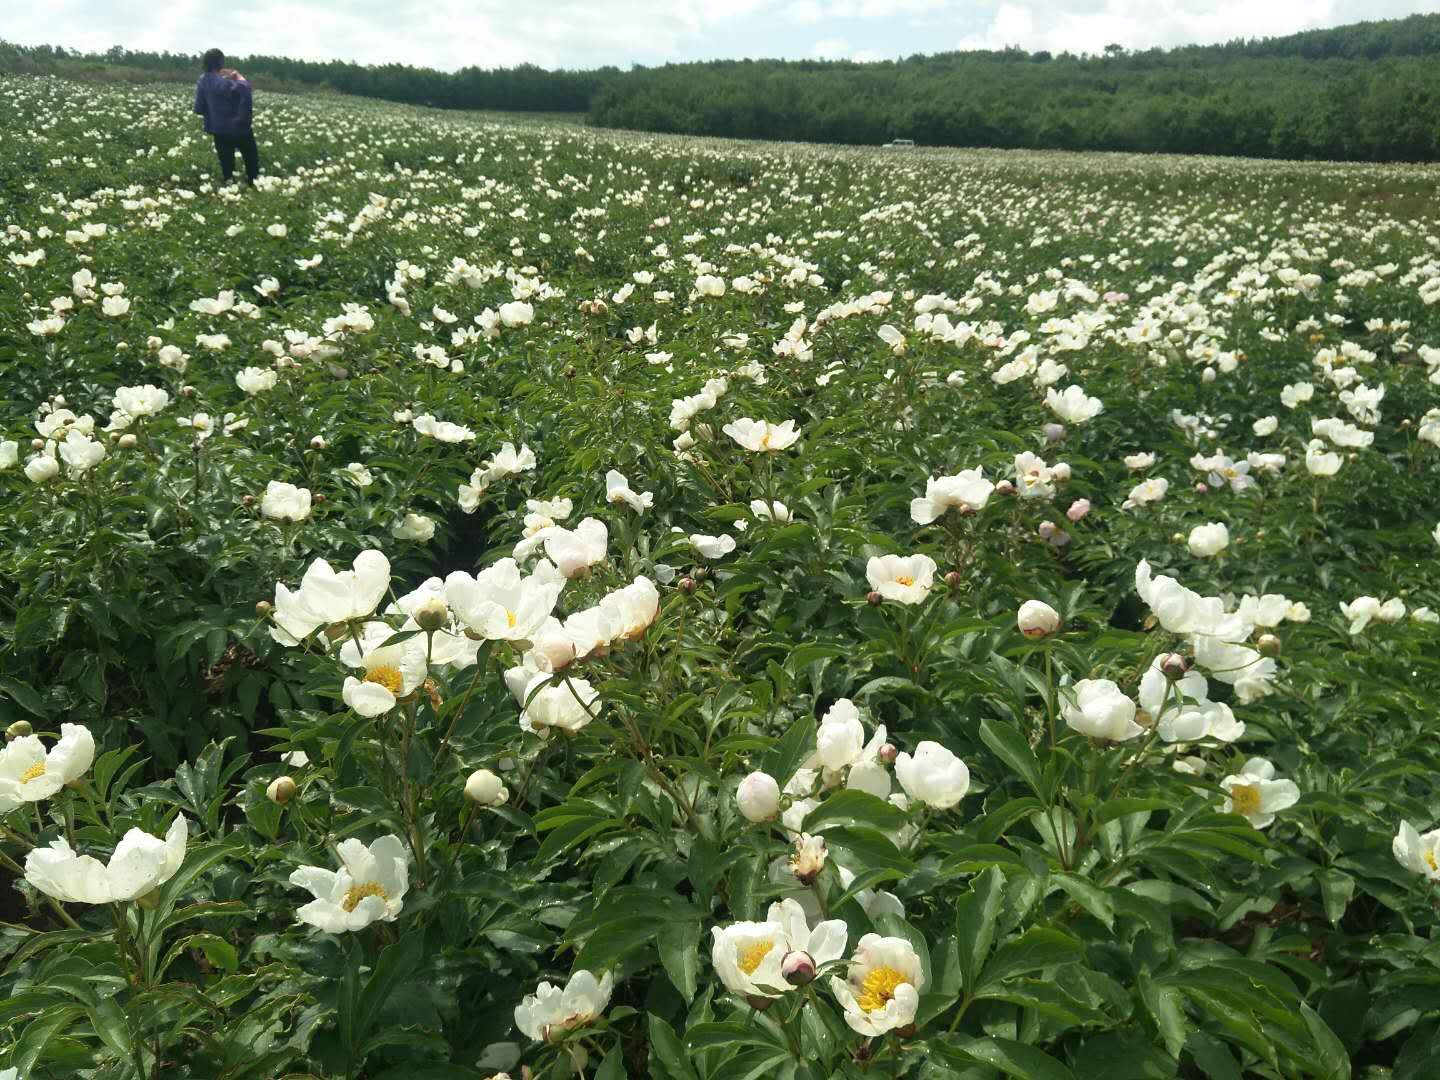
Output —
(587, 33)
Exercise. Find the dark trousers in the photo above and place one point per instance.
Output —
(225, 147)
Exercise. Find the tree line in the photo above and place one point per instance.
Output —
(1368, 91)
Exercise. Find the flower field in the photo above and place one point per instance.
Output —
(515, 599)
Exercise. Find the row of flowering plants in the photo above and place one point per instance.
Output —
(517, 601)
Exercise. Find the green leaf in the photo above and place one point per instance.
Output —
(1336, 890)
(792, 749)
(680, 955)
(37, 1035)
(1212, 1057)
(1036, 949)
(1018, 1060)
(396, 964)
(851, 806)
(1089, 896)
(665, 1045)
(976, 914)
(1011, 747)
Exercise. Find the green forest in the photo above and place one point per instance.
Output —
(1365, 92)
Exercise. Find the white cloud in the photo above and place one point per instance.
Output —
(445, 34)
(1061, 25)
(832, 49)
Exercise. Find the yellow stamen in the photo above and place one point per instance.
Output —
(356, 893)
(905, 579)
(36, 770)
(752, 955)
(878, 988)
(511, 616)
(386, 676)
(1430, 859)
(1245, 799)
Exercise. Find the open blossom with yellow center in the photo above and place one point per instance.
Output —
(882, 989)
(369, 886)
(387, 672)
(1256, 795)
(878, 988)
(1245, 799)
(749, 957)
(386, 676)
(1416, 852)
(356, 893)
(761, 436)
(906, 579)
(29, 772)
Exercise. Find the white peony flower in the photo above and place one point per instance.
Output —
(370, 886)
(1209, 540)
(1256, 795)
(140, 864)
(881, 990)
(965, 491)
(501, 603)
(550, 1011)
(1416, 852)
(761, 436)
(29, 773)
(1097, 708)
(256, 380)
(934, 776)
(285, 502)
(904, 578)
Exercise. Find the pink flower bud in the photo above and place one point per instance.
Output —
(1078, 509)
(798, 969)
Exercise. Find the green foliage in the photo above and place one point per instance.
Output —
(1072, 905)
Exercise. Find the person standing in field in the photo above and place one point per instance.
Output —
(223, 98)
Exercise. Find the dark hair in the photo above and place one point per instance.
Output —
(214, 60)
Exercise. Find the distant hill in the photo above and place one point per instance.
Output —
(1368, 91)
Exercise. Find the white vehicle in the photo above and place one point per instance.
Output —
(900, 144)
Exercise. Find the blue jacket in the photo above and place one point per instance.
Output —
(225, 104)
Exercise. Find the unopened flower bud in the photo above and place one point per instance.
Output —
(263, 608)
(808, 859)
(686, 585)
(1004, 487)
(247, 500)
(954, 579)
(798, 968)
(1173, 665)
(1203, 488)
(486, 789)
(281, 790)
(18, 730)
(874, 599)
(1078, 509)
(758, 797)
(1054, 432)
(37, 444)
(1060, 471)
(126, 441)
(888, 753)
(1046, 530)
(1269, 645)
(318, 443)
(1037, 619)
(432, 614)
(318, 500)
